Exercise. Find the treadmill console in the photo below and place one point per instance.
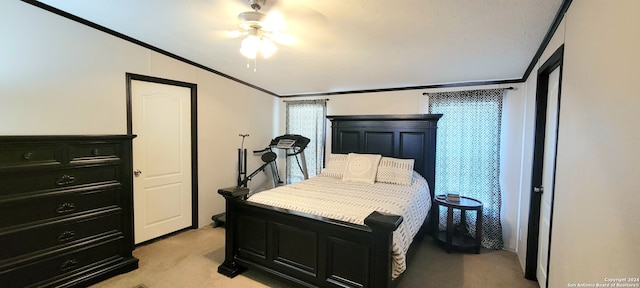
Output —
(290, 141)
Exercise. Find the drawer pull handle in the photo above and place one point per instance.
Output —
(66, 208)
(65, 180)
(68, 265)
(95, 152)
(27, 156)
(66, 236)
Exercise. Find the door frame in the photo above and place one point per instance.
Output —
(194, 131)
(531, 262)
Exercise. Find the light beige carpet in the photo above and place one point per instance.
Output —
(191, 259)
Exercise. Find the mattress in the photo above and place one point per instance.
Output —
(354, 201)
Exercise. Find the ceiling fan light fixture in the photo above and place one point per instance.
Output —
(256, 25)
(267, 48)
(250, 46)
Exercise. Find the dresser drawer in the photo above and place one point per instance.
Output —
(97, 253)
(94, 151)
(57, 234)
(54, 205)
(30, 155)
(40, 181)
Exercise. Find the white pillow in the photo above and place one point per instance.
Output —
(336, 163)
(361, 168)
(395, 171)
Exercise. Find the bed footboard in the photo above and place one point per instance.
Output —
(306, 249)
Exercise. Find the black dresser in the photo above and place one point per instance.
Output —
(66, 216)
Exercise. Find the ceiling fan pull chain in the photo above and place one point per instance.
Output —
(255, 63)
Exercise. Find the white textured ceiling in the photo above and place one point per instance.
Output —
(343, 45)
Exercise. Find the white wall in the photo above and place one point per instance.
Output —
(595, 231)
(595, 225)
(61, 77)
(413, 102)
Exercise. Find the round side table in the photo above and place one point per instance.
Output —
(460, 240)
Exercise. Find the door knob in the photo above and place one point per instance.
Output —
(137, 173)
(538, 189)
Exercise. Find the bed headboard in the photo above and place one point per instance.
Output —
(410, 136)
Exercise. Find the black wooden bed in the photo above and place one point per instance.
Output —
(313, 251)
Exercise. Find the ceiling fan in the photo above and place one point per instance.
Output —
(262, 31)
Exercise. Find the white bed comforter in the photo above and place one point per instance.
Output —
(353, 202)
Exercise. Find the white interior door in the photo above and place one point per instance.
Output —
(548, 174)
(161, 119)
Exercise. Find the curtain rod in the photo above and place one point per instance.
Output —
(325, 99)
(505, 88)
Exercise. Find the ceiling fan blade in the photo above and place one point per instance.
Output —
(232, 33)
(274, 21)
(294, 10)
(283, 38)
(304, 25)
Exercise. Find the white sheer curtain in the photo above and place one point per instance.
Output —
(306, 118)
(468, 154)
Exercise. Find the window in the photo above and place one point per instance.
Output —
(306, 118)
(468, 154)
